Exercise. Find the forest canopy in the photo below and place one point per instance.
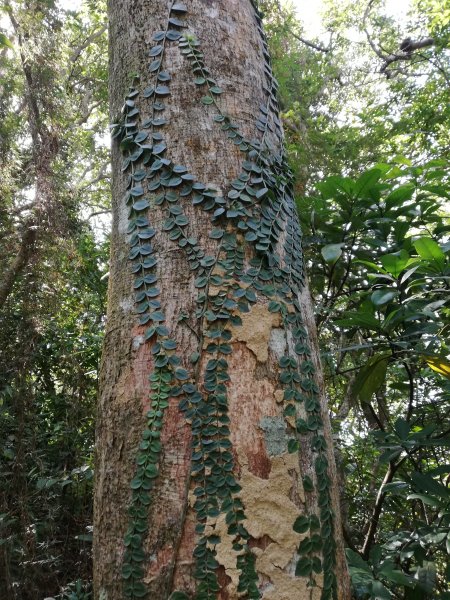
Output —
(365, 110)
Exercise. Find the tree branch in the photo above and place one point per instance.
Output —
(102, 174)
(375, 518)
(87, 42)
(107, 211)
(407, 47)
(312, 45)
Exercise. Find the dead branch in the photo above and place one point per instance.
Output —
(102, 174)
(87, 42)
(407, 47)
(313, 45)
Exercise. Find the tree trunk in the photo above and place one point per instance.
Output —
(216, 477)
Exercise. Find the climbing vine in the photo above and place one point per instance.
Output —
(256, 217)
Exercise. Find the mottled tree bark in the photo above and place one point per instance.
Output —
(273, 494)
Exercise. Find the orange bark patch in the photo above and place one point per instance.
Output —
(138, 384)
(182, 579)
(159, 561)
(261, 542)
(259, 463)
(224, 582)
(249, 401)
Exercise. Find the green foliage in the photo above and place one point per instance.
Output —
(50, 340)
(78, 590)
(386, 295)
(51, 324)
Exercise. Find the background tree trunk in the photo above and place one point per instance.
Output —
(271, 488)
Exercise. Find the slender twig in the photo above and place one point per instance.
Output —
(375, 517)
(87, 42)
(313, 45)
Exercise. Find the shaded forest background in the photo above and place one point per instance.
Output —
(367, 120)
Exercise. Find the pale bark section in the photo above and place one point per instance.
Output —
(271, 478)
(13, 270)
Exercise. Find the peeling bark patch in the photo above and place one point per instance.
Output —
(268, 505)
(270, 513)
(274, 435)
(271, 506)
(279, 396)
(226, 556)
(256, 329)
